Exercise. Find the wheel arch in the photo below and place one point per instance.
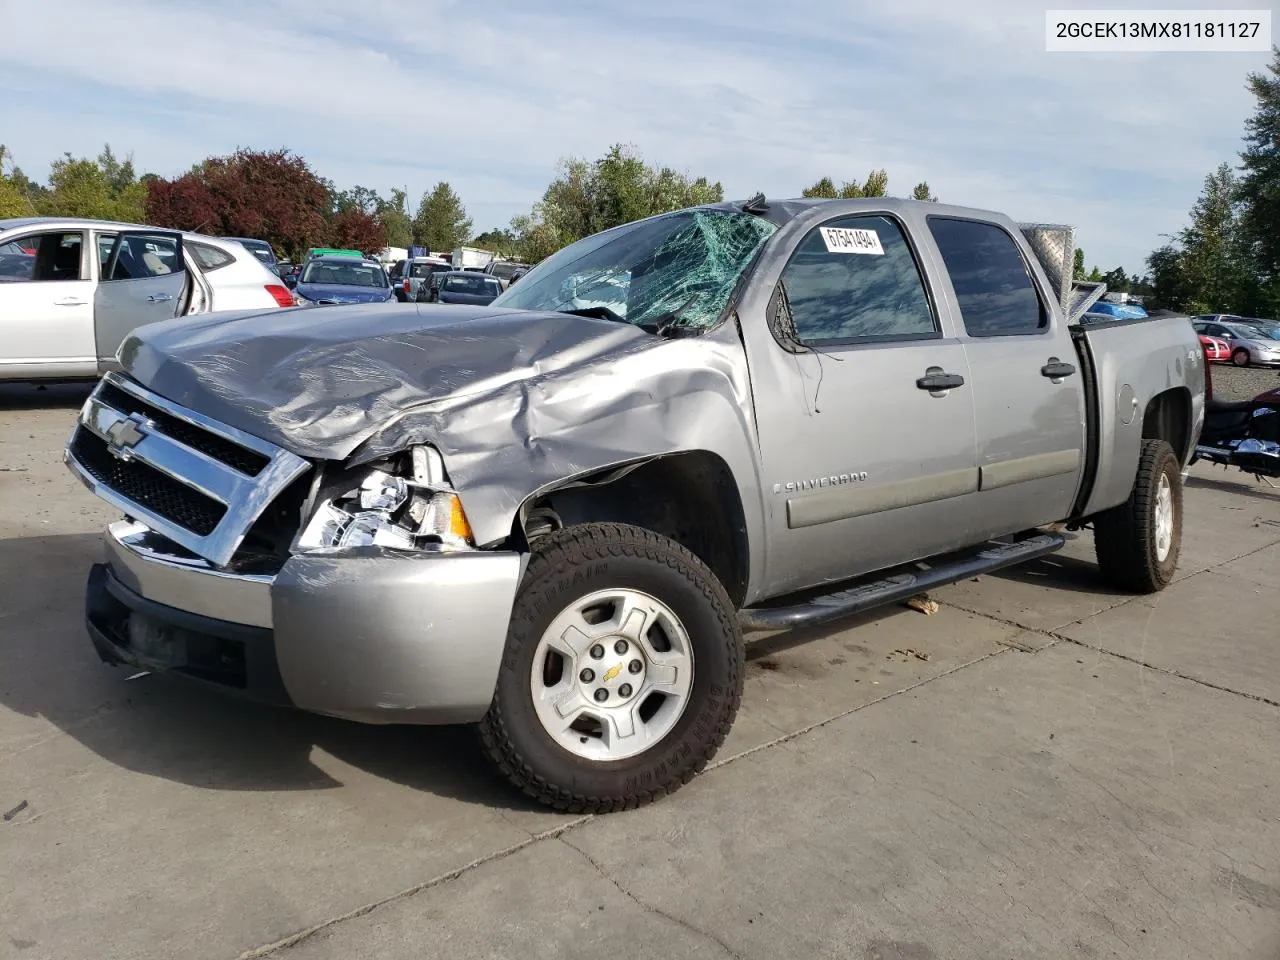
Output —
(1168, 417)
(690, 497)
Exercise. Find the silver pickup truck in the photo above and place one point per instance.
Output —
(557, 515)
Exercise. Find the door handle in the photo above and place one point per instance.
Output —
(936, 380)
(1055, 369)
(70, 302)
(160, 298)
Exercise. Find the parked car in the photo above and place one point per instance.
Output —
(341, 279)
(70, 289)
(1216, 350)
(557, 521)
(407, 276)
(504, 270)
(1250, 345)
(332, 252)
(260, 249)
(460, 286)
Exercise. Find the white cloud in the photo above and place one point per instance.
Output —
(758, 94)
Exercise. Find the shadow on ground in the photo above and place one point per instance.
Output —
(1237, 483)
(1060, 572)
(32, 396)
(177, 730)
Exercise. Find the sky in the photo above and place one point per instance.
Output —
(762, 96)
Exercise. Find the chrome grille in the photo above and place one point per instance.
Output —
(197, 482)
(243, 459)
(146, 486)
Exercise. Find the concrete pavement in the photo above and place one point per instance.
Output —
(1069, 772)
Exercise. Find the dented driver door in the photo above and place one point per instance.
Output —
(866, 422)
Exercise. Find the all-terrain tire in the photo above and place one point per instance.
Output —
(571, 564)
(1125, 537)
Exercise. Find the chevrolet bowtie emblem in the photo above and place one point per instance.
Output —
(124, 435)
(612, 672)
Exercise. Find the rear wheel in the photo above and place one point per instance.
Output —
(1138, 542)
(622, 674)
(1240, 358)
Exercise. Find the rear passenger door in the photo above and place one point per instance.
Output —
(1027, 390)
(143, 279)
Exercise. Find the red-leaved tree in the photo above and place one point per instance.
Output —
(271, 195)
(183, 204)
(357, 230)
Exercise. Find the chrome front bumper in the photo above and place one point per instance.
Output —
(370, 635)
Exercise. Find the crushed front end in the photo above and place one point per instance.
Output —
(351, 592)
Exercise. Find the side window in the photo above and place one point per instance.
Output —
(135, 256)
(43, 256)
(993, 285)
(854, 279)
(209, 258)
(18, 260)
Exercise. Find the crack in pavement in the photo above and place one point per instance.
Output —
(1169, 671)
(305, 934)
(650, 908)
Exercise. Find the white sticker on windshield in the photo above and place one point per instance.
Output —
(848, 240)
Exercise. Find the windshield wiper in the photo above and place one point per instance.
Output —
(667, 324)
(596, 313)
(663, 325)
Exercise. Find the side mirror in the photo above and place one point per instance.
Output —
(290, 280)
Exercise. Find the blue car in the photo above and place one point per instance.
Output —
(342, 280)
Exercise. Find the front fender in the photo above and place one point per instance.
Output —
(502, 447)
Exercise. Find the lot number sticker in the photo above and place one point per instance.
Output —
(848, 240)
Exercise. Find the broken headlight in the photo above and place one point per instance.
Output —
(410, 507)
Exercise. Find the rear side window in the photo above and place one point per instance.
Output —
(994, 288)
(136, 256)
(856, 279)
(209, 258)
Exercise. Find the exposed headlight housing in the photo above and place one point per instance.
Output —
(416, 512)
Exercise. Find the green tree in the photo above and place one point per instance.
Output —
(1077, 271)
(1259, 193)
(587, 197)
(498, 240)
(876, 185)
(1211, 255)
(358, 198)
(1117, 281)
(921, 191)
(103, 189)
(1095, 275)
(14, 200)
(441, 222)
(1167, 279)
(394, 214)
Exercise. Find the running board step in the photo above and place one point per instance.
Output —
(901, 586)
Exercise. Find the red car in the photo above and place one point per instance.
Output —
(1216, 350)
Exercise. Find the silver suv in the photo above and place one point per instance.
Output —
(406, 276)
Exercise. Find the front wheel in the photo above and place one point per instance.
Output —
(1138, 542)
(622, 674)
(1240, 358)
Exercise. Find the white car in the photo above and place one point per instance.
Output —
(72, 289)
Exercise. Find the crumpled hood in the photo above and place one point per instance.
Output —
(343, 293)
(319, 382)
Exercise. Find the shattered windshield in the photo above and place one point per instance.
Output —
(676, 270)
